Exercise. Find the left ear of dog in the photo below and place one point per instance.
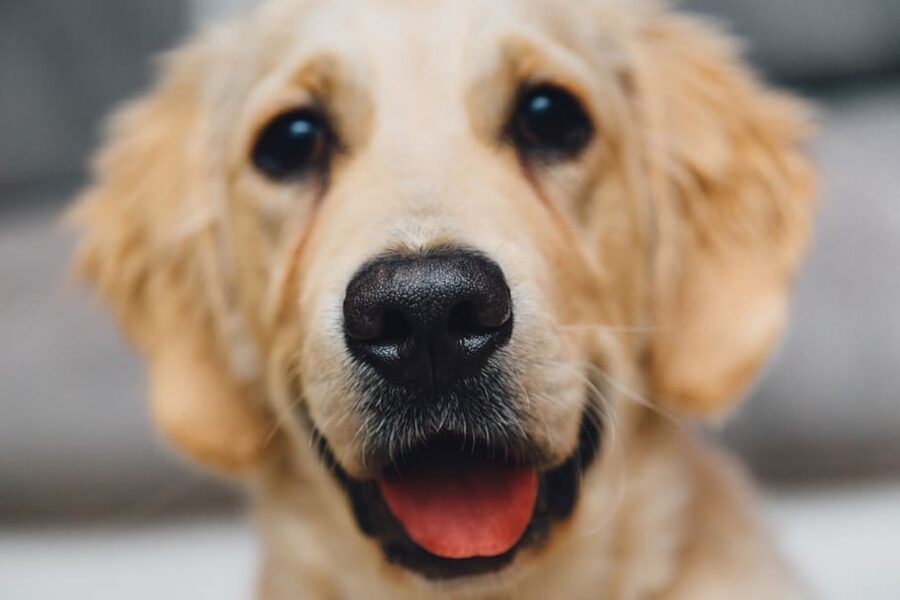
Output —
(151, 250)
(733, 193)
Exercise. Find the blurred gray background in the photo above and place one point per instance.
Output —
(83, 476)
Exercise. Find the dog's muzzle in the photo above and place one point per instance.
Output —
(456, 487)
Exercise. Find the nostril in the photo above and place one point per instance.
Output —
(461, 321)
(466, 320)
(395, 329)
(381, 327)
(361, 325)
(476, 328)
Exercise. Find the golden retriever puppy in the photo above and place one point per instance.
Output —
(440, 279)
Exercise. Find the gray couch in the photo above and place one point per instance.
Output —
(62, 65)
(814, 40)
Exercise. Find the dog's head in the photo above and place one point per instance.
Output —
(439, 245)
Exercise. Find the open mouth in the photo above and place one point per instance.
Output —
(460, 505)
(453, 509)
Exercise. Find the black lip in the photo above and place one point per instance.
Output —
(558, 495)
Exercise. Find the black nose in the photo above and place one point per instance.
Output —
(428, 319)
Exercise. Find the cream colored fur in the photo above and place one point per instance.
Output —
(654, 267)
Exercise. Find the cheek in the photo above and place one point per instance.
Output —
(617, 233)
(322, 364)
(253, 255)
(322, 367)
(287, 277)
(266, 225)
(548, 370)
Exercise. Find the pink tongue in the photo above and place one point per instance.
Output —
(463, 511)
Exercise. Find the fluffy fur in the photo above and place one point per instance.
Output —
(650, 274)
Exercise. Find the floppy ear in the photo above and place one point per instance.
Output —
(152, 247)
(733, 200)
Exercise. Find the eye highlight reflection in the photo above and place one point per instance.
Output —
(293, 145)
(549, 123)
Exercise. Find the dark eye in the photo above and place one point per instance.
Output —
(549, 123)
(293, 145)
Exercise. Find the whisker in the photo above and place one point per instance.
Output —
(638, 398)
(626, 391)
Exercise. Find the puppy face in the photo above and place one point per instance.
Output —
(445, 242)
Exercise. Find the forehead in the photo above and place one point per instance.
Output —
(424, 40)
(396, 23)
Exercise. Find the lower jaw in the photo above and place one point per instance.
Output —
(558, 493)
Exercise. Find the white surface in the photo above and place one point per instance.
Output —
(845, 542)
(195, 559)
